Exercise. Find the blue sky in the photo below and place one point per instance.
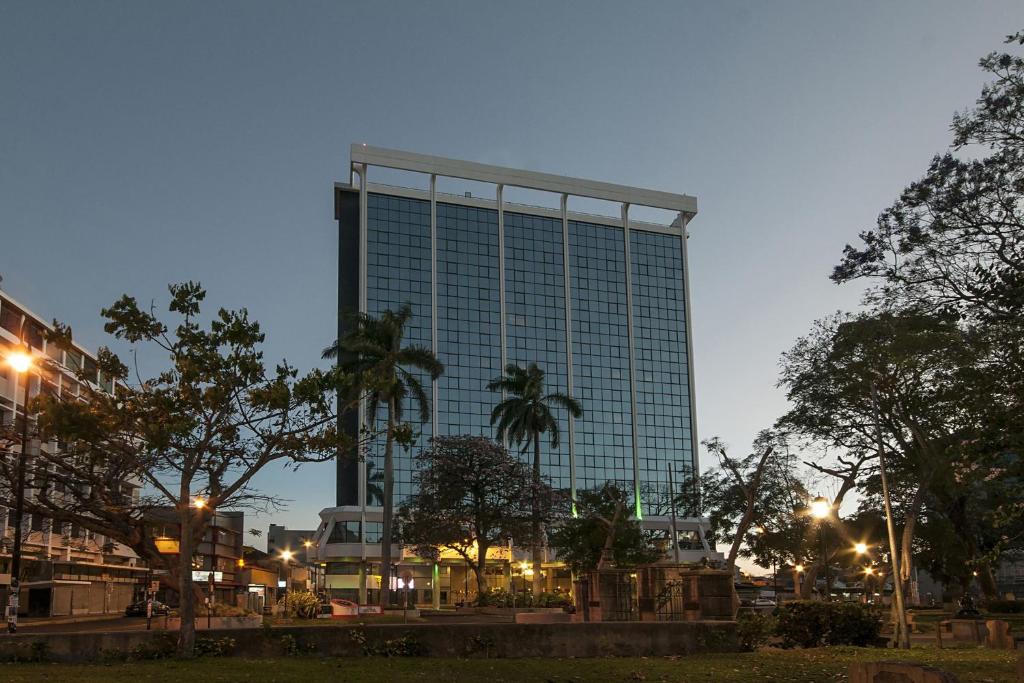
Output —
(145, 143)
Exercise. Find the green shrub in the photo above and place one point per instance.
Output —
(554, 600)
(754, 629)
(807, 623)
(851, 623)
(802, 623)
(1005, 606)
(301, 604)
(214, 647)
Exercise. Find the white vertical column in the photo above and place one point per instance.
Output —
(568, 342)
(632, 362)
(503, 325)
(434, 387)
(689, 346)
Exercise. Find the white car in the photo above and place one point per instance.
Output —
(764, 602)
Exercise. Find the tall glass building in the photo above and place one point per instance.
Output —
(598, 302)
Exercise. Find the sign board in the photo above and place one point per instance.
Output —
(282, 584)
(370, 609)
(204, 575)
(166, 546)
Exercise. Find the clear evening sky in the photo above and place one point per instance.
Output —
(145, 143)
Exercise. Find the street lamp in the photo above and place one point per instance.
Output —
(868, 573)
(21, 363)
(820, 510)
(861, 549)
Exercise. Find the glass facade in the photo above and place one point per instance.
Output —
(468, 320)
(469, 317)
(535, 320)
(398, 257)
(600, 350)
(662, 370)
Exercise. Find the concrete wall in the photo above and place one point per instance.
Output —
(432, 640)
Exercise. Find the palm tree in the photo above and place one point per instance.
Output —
(381, 368)
(521, 418)
(374, 490)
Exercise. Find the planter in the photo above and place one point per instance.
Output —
(252, 621)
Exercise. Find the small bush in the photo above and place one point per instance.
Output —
(554, 600)
(1005, 606)
(406, 646)
(160, 645)
(806, 623)
(214, 647)
(754, 629)
(802, 623)
(851, 623)
(301, 604)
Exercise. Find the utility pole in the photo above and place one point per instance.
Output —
(902, 632)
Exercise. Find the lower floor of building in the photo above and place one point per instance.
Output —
(446, 583)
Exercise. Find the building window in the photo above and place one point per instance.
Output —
(345, 531)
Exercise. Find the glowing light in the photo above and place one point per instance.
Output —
(20, 361)
(868, 571)
(820, 508)
(860, 548)
(287, 555)
(308, 544)
(198, 503)
(799, 568)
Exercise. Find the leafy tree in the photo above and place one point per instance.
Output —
(375, 359)
(953, 242)
(199, 430)
(603, 534)
(913, 368)
(738, 487)
(522, 417)
(472, 495)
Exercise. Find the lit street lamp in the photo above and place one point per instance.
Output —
(20, 362)
(860, 549)
(821, 509)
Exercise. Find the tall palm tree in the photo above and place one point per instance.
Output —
(372, 354)
(522, 417)
(374, 490)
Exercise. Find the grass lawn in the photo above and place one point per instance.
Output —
(804, 666)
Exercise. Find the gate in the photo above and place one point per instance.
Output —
(618, 596)
(670, 602)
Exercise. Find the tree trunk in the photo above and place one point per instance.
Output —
(906, 550)
(478, 569)
(750, 492)
(186, 596)
(536, 550)
(388, 513)
(987, 582)
(608, 549)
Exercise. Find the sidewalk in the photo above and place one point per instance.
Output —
(29, 622)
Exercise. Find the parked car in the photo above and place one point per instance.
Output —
(764, 602)
(138, 609)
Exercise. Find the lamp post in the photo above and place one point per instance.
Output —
(820, 510)
(20, 362)
(287, 556)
